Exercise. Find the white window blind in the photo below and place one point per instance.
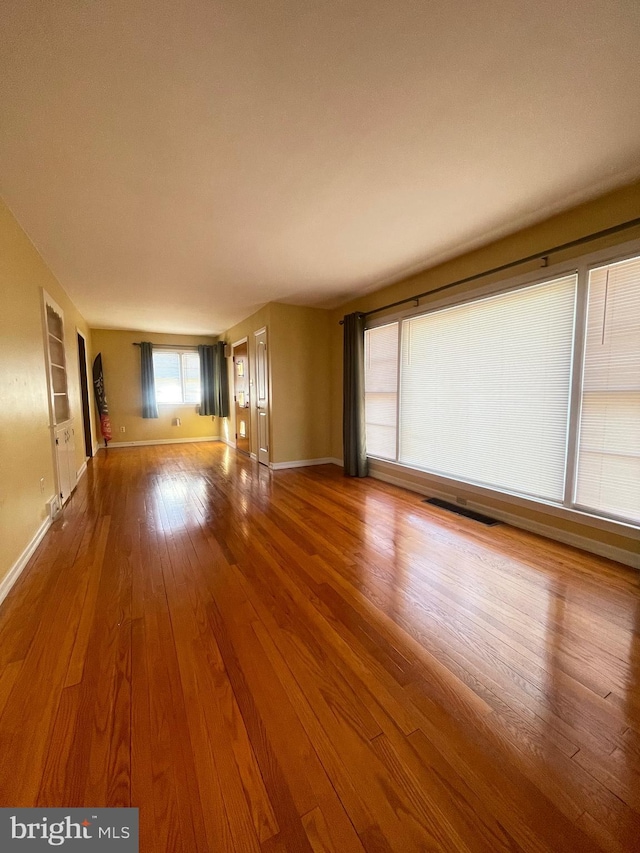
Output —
(381, 390)
(485, 386)
(166, 369)
(191, 377)
(608, 470)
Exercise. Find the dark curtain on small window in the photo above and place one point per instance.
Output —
(214, 381)
(353, 421)
(207, 384)
(221, 381)
(149, 404)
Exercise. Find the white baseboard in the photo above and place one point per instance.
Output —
(227, 441)
(300, 463)
(254, 457)
(96, 447)
(82, 470)
(162, 441)
(335, 461)
(611, 552)
(16, 570)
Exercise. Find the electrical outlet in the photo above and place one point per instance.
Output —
(123, 429)
(42, 485)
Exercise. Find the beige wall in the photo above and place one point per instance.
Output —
(610, 210)
(25, 436)
(121, 364)
(299, 368)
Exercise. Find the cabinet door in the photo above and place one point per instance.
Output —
(65, 461)
(71, 458)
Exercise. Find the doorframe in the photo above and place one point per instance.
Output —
(263, 330)
(90, 442)
(235, 344)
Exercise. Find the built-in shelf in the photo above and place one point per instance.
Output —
(57, 365)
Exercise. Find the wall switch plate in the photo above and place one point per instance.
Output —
(123, 429)
(41, 485)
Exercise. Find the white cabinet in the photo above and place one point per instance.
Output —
(65, 459)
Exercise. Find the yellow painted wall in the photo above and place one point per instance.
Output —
(121, 364)
(25, 435)
(610, 210)
(299, 367)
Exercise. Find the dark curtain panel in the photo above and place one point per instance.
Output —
(214, 381)
(353, 425)
(149, 405)
(207, 381)
(221, 381)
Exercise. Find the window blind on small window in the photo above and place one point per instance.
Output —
(191, 371)
(485, 387)
(166, 368)
(381, 390)
(608, 469)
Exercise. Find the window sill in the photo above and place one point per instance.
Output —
(195, 406)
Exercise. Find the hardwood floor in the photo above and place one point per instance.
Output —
(297, 661)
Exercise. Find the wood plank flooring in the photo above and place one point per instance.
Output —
(297, 661)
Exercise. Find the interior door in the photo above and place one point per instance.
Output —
(262, 395)
(241, 396)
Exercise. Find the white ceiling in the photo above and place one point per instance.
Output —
(178, 164)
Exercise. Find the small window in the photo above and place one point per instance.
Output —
(177, 376)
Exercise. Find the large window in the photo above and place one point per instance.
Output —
(608, 473)
(177, 376)
(483, 391)
(381, 398)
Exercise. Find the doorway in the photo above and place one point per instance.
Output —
(241, 396)
(84, 395)
(262, 395)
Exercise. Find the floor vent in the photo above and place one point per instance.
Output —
(460, 510)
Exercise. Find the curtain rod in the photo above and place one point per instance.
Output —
(169, 346)
(539, 256)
